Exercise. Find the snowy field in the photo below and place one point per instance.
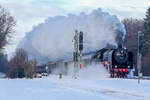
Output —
(67, 88)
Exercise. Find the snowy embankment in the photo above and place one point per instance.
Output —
(67, 88)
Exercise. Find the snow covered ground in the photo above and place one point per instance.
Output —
(67, 88)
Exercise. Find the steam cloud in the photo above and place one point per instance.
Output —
(93, 71)
(53, 38)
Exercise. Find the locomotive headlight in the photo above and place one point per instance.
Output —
(115, 66)
(128, 66)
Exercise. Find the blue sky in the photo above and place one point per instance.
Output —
(29, 13)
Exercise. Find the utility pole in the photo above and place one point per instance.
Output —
(75, 54)
(139, 56)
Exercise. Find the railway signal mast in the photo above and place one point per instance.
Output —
(80, 46)
(75, 54)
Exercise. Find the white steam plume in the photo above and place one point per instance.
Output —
(53, 38)
(94, 72)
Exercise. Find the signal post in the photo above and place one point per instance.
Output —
(75, 54)
(78, 45)
(81, 47)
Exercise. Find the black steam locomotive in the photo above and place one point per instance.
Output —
(117, 61)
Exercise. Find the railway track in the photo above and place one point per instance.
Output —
(141, 78)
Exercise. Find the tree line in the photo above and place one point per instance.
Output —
(133, 26)
(20, 66)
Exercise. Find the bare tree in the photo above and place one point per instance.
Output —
(132, 27)
(7, 24)
(19, 66)
(30, 69)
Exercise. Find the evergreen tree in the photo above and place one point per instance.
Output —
(146, 32)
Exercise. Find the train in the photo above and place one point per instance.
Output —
(119, 61)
